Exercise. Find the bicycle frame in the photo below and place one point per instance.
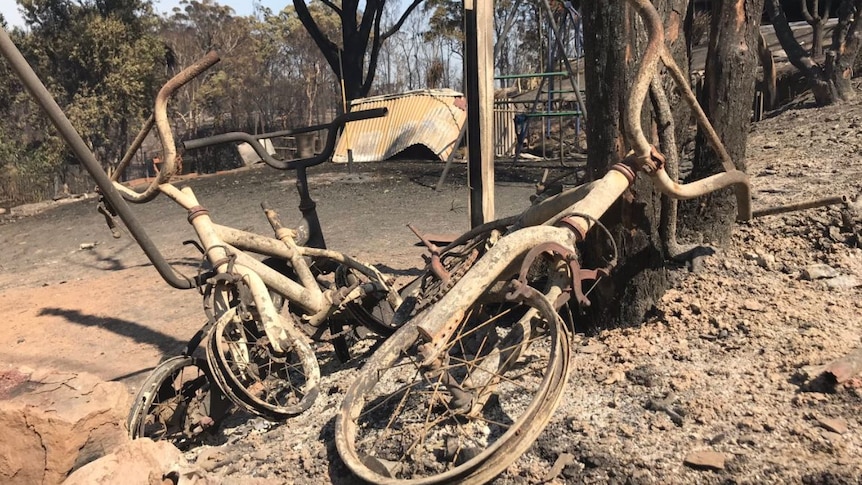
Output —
(579, 209)
(552, 225)
(220, 248)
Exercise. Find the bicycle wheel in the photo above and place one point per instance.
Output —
(271, 384)
(177, 402)
(374, 312)
(465, 414)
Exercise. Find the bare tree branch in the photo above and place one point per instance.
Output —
(796, 54)
(375, 53)
(401, 21)
(510, 21)
(328, 48)
(335, 8)
(806, 14)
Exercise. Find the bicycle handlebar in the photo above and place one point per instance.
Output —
(253, 140)
(657, 50)
(160, 113)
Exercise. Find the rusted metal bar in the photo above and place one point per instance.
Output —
(255, 243)
(160, 112)
(657, 50)
(41, 95)
(811, 204)
(288, 238)
(435, 264)
(312, 302)
(133, 148)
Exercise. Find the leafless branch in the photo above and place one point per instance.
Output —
(401, 21)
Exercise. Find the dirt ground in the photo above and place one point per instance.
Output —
(721, 366)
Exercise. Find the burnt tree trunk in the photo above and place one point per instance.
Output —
(829, 79)
(841, 57)
(817, 21)
(613, 41)
(727, 99)
(770, 78)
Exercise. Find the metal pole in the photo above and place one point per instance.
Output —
(568, 64)
(451, 157)
(40, 93)
(769, 211)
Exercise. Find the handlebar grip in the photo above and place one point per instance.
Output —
(253, 140)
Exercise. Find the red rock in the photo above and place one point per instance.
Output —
(705, 460)
(836, 425)
(52, 422)
(140, 462)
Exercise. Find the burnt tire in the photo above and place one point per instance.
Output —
(492, 389)
(177, 402)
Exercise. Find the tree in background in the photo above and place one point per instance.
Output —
(295, 64)
(97, 58)
(828, 78)
(193, 29)
(354, 57)
(518, 44)
(816, 15)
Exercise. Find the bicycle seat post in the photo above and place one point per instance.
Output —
(310, 224)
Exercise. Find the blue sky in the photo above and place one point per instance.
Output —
(9, 8)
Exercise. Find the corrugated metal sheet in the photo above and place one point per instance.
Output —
(426, 117)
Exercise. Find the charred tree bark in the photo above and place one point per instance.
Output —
(828, 79)
(613, 40)
(817, 21)
(770, 78)
(727, 99)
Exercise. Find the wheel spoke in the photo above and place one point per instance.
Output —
(267, 383)
(171, 399)
(415, 399)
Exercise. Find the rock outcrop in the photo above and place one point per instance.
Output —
(53, 422)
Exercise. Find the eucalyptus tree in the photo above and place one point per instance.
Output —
(100, 59)
(353, 55)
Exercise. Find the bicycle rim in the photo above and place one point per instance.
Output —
(374, 312)
(270, 384)
(177, 402)
(490, 394)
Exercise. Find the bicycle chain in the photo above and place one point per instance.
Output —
(455, 273)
